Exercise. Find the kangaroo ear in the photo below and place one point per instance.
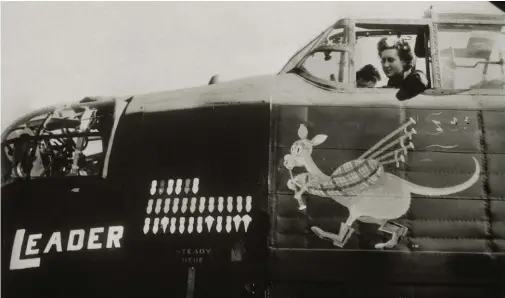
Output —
(303, 132)
(318, 139)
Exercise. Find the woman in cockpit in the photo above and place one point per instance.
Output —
(398, 63)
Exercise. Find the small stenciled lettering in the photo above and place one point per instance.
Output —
(193, 260)
(54, 244)
(193, 256)
(194, 251)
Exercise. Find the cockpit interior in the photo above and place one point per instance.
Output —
(56, 142)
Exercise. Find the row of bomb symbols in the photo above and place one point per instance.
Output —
(174, 186)
(173, 205)
(191, 225)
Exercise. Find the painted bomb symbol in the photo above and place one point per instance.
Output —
(161, 189)
(190, 225)
(237, 219)
(228, 224)
(156, 225)
(211, 204)
(175, 206)
(184, 206)
(182, 223)
(192, 207)
(239, 204)
(219, 225)
(166, 208)
(220, 206)
(173, 222)
(196, 183)
(170, 187)
(158, 206)
(209, 220)
(248, 203)
(186, 187)
(201, 208)
(199, 224)
(153, 187)
(149, 208)
(164, 224)
(178, 186)
(147, 223)
(229, 206)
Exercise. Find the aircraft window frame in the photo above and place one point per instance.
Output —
(293, 61)
(378, 29)
(469, 29)
(328, 44)
(59, 142)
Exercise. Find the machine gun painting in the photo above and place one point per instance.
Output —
(375, 157)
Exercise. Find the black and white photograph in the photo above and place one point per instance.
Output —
(281, 149)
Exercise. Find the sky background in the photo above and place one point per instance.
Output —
(60, 52)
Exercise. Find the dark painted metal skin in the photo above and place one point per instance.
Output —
(227, 147)
(233, 137)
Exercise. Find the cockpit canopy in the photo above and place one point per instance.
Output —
(56, 142)
(455, 51)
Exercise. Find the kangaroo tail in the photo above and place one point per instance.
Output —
(429, 191)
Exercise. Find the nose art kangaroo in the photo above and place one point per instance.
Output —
(369, 193)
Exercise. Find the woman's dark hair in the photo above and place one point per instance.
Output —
(402, 46)
(368, 73)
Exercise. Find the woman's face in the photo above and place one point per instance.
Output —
(391, 63)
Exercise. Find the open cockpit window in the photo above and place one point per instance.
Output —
(472, 56)
(371, 71)
(68, 141)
